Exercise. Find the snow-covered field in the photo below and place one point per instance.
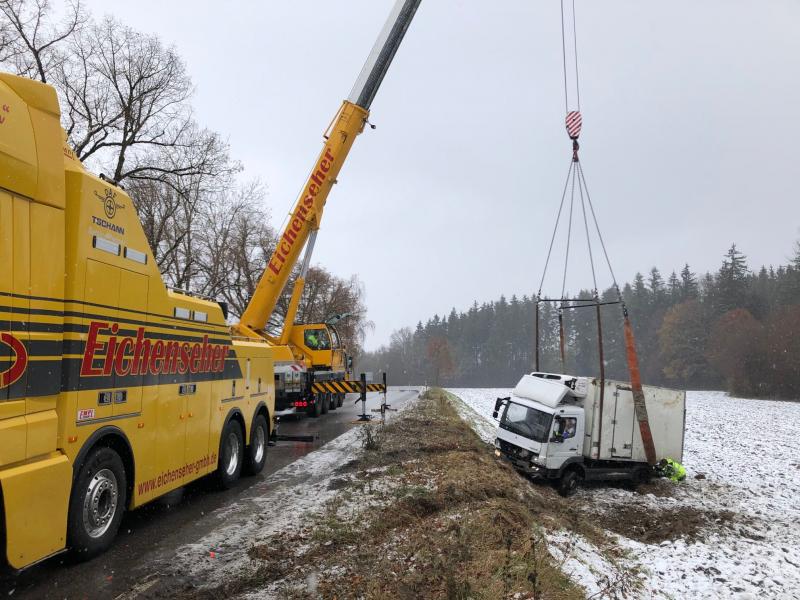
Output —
(749, 453)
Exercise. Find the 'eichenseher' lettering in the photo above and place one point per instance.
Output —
(142, 356)
(289, 237)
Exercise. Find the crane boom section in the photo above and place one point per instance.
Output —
(305, 218)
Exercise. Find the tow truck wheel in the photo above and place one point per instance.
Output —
(315, 410)
(568, 484)
(231, 455)
(339, 400)
(96, 504)
(332, 400)
(257, 450)
(325, 401)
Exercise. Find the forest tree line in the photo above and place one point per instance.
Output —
(126, 101)
(736, 329)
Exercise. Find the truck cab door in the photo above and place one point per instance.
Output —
(569, 430)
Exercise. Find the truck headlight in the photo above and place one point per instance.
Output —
(496, 443)
(542, 459)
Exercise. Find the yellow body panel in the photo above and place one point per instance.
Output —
(36, 495)
(93, 344)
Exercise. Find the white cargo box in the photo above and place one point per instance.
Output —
(616, 436)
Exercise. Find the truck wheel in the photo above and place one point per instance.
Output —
(315, 410)
(339, 400)
(568, 484)
(97, 503)
(332, 399)
(231, 455)
(324, 400)
(257, 450)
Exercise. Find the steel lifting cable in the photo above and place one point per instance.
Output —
(555, 229)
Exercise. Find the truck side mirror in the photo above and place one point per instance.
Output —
(497, 404)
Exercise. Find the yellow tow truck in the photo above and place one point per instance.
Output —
(114, 389)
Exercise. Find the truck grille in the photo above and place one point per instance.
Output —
(512, 450)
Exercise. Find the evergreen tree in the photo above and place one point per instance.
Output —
(674, 288)
(732, 281)
(688, 283)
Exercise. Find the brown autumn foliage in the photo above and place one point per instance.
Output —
(730, 345)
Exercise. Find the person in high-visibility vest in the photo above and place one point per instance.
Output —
(672, 469)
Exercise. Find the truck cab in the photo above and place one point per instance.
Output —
(539, 439)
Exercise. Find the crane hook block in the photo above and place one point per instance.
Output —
(573, 123)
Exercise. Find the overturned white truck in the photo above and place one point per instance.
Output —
(562, 428)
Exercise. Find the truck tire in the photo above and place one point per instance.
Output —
(332, 400)
(325, 402)
(231, 455)
(315, 409)
(568, 483)
(339, 400)
(96, 504)
(257, 450)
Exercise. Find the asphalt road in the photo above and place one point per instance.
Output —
(158, 528)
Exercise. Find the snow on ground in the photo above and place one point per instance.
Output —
(749, 452)
(283, 501)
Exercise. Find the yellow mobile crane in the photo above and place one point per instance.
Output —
(312, 375)
(114, 389)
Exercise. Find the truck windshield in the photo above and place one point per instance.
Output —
(528, 422)
(317, 339)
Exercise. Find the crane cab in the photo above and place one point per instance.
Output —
(322, 347)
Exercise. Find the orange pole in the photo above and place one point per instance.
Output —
(639, 404)
(561, 339)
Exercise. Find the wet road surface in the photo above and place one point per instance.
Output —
(158, 528)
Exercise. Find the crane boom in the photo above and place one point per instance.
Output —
(307, 214)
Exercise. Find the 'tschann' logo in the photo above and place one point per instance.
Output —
(19, 362)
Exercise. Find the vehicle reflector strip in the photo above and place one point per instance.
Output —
(105, 245)
(136, 256)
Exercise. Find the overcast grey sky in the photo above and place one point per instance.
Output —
(689, 140)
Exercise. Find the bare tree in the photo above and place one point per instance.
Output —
(31, 40)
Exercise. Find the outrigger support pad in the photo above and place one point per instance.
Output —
(363, 398)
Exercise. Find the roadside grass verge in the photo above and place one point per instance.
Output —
(424, 510)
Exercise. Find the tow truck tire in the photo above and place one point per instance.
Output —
(569, 482)
(231, 455)
(339, 400)
(98, 500)
(325, 401)
(332, 400)
(257, 450)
